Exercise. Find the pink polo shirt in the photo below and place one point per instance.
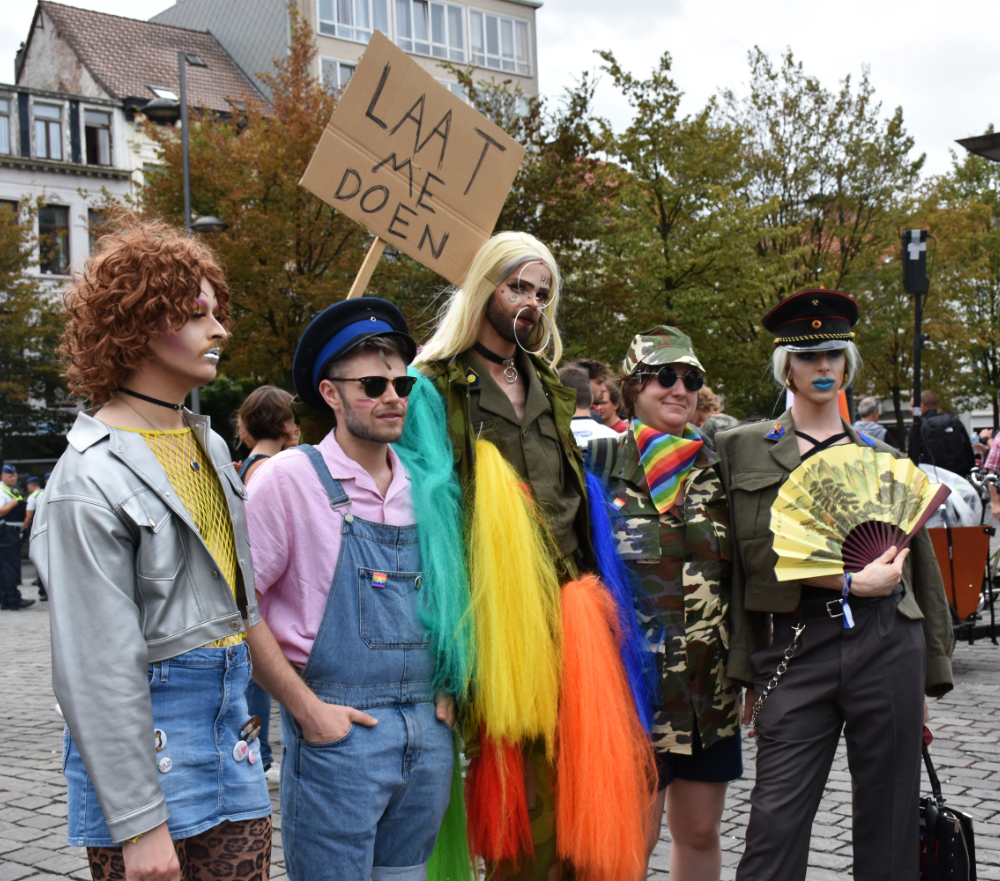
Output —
(295, 535)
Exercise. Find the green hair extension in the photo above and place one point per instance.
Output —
(451, 860)
(444, 605)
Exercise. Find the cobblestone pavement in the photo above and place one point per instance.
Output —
(33, 793)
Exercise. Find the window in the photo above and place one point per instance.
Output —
(336, 74)
(499, 43)
(426, 28)
(455, 88)
(96, 219)
(5, 125)
(97, 136)
(48, 131)
(353, 19)
(160, 92)
(53, 233)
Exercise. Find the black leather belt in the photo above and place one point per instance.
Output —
(817, 602)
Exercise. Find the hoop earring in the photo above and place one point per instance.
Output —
(789, 384)
(548, 331)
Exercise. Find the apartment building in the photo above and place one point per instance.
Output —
(495, 36)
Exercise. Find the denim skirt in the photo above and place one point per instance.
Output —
(199, 703)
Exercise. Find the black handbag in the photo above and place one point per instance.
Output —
(947, 845)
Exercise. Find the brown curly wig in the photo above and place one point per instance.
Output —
(145, 276)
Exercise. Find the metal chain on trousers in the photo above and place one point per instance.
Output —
(776, 678)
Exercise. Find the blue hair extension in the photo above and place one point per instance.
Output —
(444, 603)
(621, 584)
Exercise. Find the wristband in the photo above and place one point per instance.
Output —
(845, 593)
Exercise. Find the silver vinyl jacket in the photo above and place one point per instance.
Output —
(130, 582)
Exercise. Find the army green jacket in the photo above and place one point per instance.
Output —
(684, 560)
(755, 461)
(451, 380)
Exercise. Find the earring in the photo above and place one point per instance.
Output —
(789, 384)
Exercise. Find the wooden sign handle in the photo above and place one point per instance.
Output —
(367, 268)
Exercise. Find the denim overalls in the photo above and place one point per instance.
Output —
(369, 804)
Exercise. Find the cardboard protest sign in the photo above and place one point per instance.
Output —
(414, 163)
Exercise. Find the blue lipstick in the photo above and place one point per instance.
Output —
(823, 385)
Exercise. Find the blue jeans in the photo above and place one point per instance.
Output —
(199, 702)
(378, 795)
(259, 704)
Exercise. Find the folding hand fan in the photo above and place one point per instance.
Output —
(846, 506)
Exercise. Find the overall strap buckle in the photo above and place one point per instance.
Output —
(837, 604)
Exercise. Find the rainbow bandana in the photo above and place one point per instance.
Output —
(666, 460)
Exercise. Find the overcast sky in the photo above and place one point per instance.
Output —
(933, 58)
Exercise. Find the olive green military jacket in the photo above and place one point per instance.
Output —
(755, 460)
(451, 380)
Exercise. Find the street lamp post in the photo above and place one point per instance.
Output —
(917, 283)
(164, 110)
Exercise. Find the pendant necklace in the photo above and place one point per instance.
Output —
(509, 370)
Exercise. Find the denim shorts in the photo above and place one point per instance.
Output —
(199, 702)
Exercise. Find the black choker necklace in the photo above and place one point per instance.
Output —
(509, 370)
(177, 407)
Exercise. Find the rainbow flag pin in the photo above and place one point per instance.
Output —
(379, 579)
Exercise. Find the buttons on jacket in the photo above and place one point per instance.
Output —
(160, 738)
(234, 625)
(240, 751)
(164, 765)
(348, 518)
(215, 573)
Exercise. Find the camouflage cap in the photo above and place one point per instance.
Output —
(661, 345)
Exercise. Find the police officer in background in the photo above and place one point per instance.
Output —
(12, 510)
(34, 487)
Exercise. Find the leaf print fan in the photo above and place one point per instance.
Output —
(846, 506)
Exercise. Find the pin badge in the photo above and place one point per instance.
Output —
(240, 751)
(252, 757)
(164, 765)
(379, 579)
(250, 729)
(160, 737)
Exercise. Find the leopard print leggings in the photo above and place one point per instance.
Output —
(228, 852)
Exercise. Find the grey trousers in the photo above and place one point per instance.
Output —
(868, 681)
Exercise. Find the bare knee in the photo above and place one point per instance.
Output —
(694, 814)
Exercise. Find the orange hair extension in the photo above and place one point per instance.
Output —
(497, 803)
(605, 767)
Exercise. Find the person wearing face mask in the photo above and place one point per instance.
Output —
(368, 755)
(673, 532)
(868, 680)
(140, 541)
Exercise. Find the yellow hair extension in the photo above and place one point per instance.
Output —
(515, 598)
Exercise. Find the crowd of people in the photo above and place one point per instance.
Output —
(455, 549)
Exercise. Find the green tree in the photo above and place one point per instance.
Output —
(30, 325)
(962, 210)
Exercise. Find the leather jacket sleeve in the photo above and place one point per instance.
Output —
(99, 657)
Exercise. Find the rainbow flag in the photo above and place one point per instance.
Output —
(379, 579)
(666, 460)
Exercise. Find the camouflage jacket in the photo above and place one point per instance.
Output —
(684, 562)
(451, 381)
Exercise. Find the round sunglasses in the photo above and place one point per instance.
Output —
(375, 386)
(667, 376)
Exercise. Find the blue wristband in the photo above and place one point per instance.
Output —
(845, 593)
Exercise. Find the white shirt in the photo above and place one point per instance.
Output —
(587, 429)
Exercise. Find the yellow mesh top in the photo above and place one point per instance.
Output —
(193, 478)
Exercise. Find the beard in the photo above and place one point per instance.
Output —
(362, 430)
(506, 325)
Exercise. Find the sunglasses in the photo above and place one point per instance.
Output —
(375, 386)
(831, 355)
(667, 376)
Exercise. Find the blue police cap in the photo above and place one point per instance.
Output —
(32, 479)
(9, 469)
(48, 474)
(337, 330)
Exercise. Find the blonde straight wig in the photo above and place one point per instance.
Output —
(781, 366)
(461, 317)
